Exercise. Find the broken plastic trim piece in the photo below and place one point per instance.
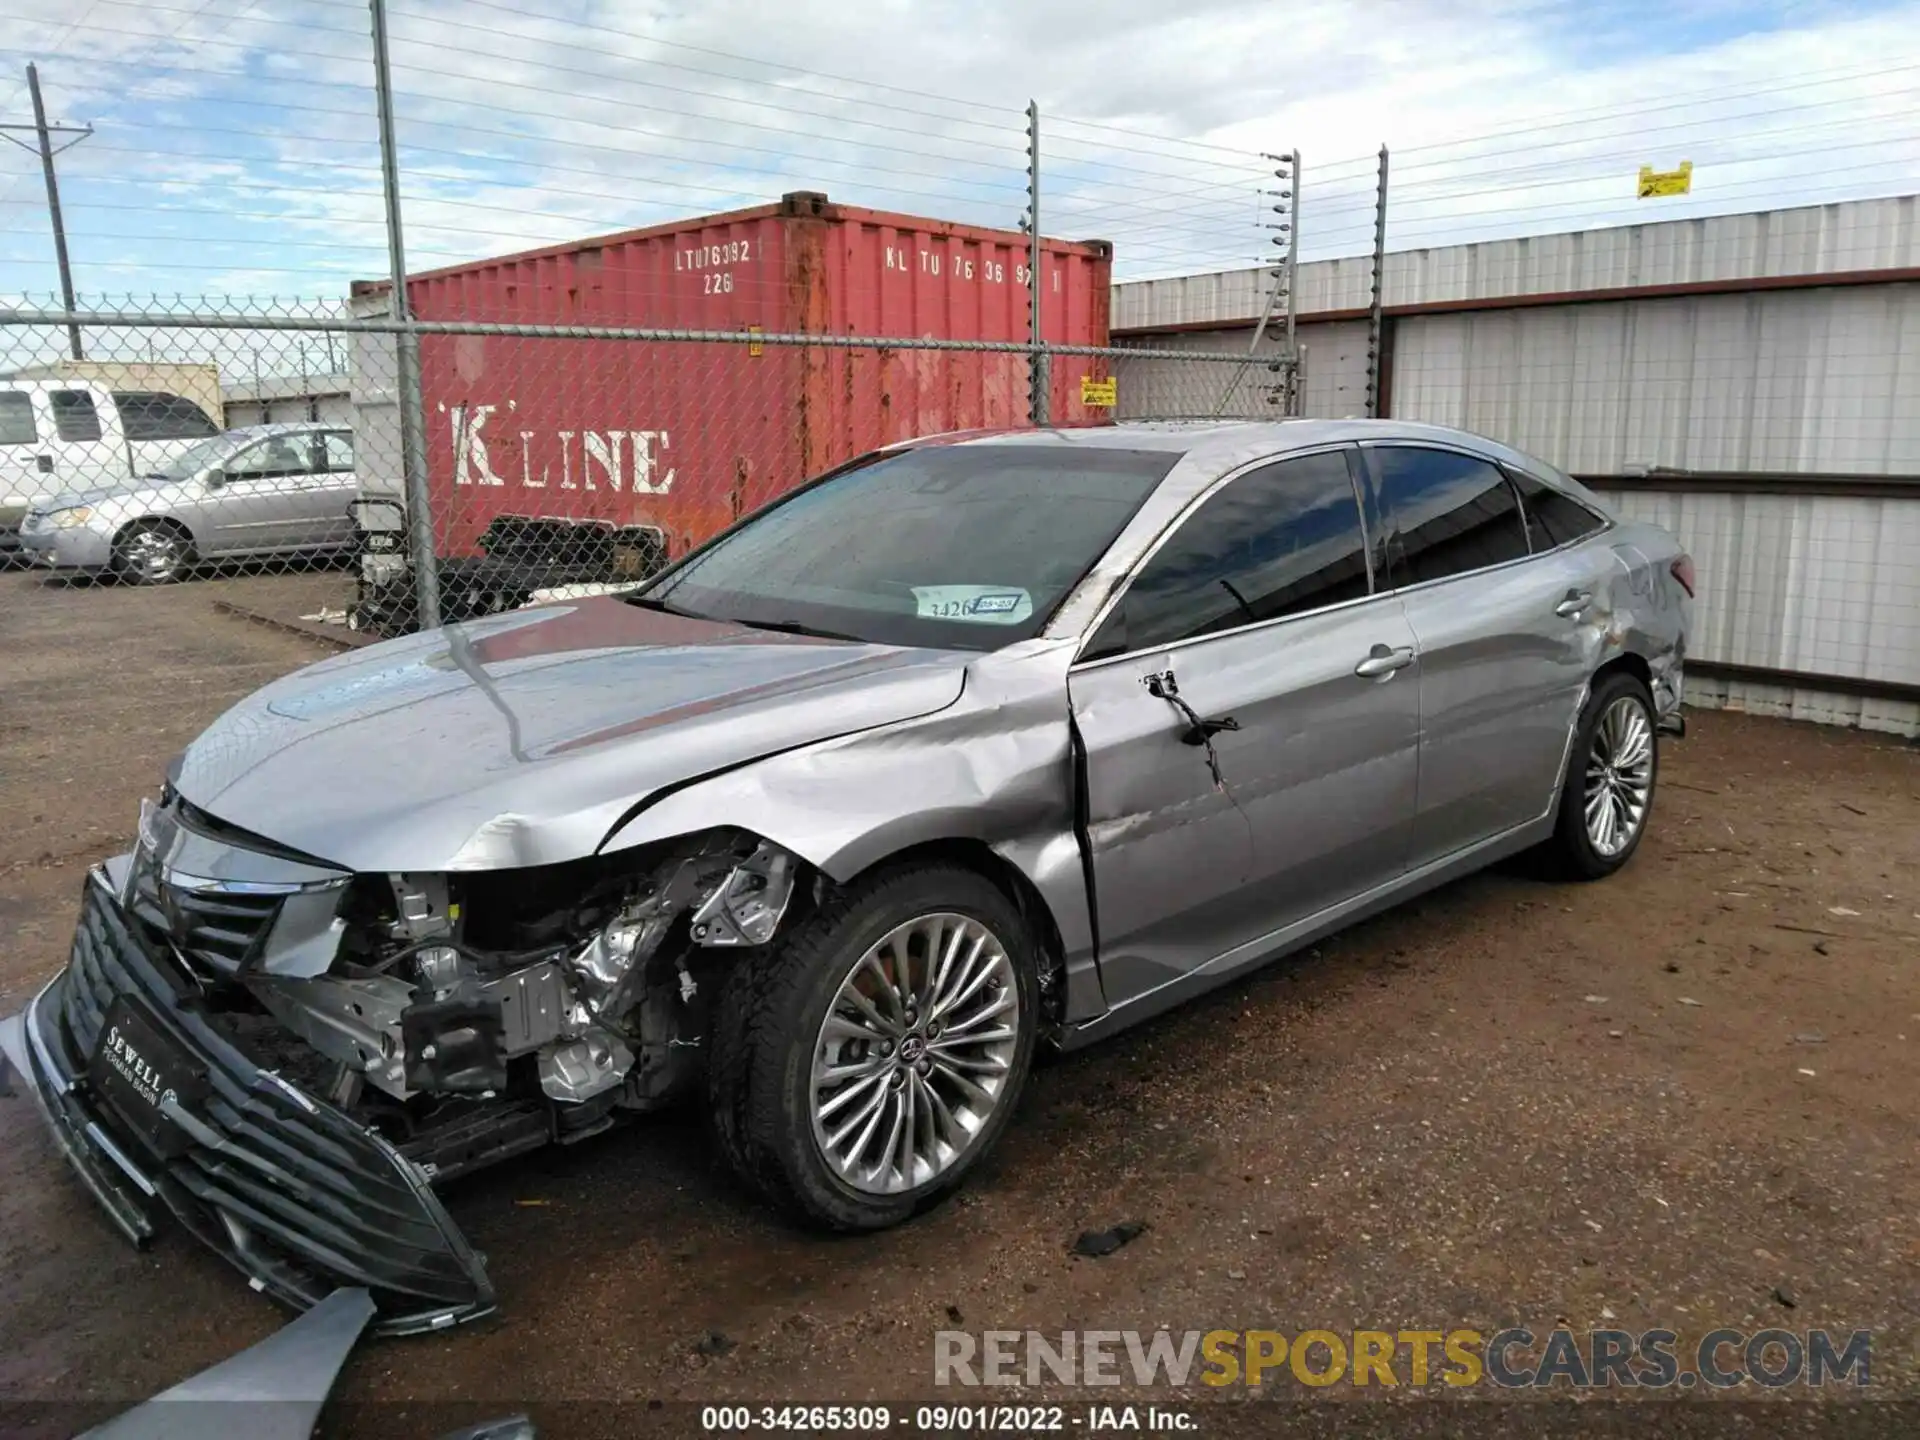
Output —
(270, 1391)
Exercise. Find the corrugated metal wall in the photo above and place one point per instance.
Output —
(1853, 236)
(1817, 584)
(1767, 380)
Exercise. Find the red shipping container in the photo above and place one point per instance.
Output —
(685, 437)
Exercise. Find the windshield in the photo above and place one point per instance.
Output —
(195, 458)
(965, 547)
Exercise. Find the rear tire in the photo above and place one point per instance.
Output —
(798, 1064)
(151, 552)
(1612, 773)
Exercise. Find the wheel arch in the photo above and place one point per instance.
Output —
(156, 522)
(1626, 662)
(970, 853)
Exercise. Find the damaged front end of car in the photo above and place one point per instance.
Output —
(290, 1057)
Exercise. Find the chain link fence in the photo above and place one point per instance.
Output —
(555, 459)
(584, 383)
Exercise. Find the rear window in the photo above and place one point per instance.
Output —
(74, 417)
(155, 415)
(1553, 519)
(966, 547)
(16, 419)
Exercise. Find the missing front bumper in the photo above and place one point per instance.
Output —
(300, 1198)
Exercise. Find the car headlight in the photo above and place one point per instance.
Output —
(69, 519)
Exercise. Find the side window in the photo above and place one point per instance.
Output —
(338, 454)
(16, 419)
(74, 417)
(154, 415)
(1553, 519)
(281, 455)
(1281, 540)
(1445, 513)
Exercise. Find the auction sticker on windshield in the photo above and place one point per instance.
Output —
(982, 604)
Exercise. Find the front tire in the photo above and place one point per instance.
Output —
(863, 1066)
(151, 552)
(1611, 777)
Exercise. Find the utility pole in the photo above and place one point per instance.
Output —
(43, 146)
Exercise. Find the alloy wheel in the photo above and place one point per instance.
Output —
(153, 555)
(915, 1053)
(1619, 776)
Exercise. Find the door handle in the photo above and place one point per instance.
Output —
(1383, 661)
(45, 463)
(1575, 605)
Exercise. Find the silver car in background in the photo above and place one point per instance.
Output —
(265, 490)
(979, 743)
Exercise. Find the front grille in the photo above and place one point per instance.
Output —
(222, 929)
(212, 891)
(291, 1190)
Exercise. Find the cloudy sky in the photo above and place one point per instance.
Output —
(235, 147)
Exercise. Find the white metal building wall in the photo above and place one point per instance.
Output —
(1823, 585)
(1804, 380)
(1845, 238)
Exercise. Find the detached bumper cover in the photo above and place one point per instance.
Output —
(301, 1199)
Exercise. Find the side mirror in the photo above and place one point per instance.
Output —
(215, 478)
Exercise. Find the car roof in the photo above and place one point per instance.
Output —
(1198, 438)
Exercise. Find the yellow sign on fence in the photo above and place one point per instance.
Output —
(1103, 393)
(1654, 183)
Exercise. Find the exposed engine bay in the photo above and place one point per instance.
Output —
(471, 1016)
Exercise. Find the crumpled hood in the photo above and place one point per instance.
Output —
(523, 738)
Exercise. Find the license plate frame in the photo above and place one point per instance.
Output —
(135, 1068)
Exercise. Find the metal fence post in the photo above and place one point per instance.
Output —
(1280, 305)
(1039, 382)
(413, 428)
(1374, 349)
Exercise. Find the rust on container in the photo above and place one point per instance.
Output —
(685, 437)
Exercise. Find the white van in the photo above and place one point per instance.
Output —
(67, 436)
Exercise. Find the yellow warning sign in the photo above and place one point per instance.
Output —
(755, 347)
(1104, 393)
(1654, 183)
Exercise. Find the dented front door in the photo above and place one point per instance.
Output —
(1250, 719)
(1171, 849)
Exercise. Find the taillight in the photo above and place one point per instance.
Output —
(1683, 572)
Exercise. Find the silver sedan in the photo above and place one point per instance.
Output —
(265, 490)
(979, 743)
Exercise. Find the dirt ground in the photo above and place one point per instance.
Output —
(1684, 1097)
